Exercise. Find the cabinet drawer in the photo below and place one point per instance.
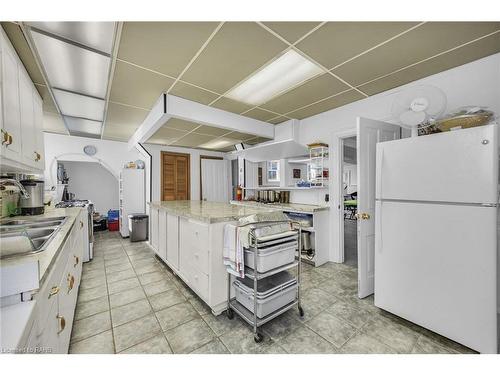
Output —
(194, 244)
(197, 280)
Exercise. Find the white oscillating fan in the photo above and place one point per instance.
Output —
(418, 107)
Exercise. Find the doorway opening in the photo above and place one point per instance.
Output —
(175, 176)
(349, 196)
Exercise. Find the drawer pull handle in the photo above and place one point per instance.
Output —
(71, 282)
(81, 224)
(37, 156)
(62, 323)
(53, 291)
(77, 260)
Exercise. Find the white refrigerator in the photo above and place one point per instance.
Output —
(436, 233)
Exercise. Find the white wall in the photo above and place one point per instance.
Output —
(353, 169)
(89, 180)
(155, 151)
(111, 154)
(476, 83)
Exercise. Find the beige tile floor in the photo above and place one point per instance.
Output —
(130, 302)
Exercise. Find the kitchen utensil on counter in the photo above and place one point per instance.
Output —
(34, 204)
(285, 196)
(272, 196)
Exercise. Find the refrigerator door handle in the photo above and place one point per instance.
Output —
(378, 228)
(380, 162)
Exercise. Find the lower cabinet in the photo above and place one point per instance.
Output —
(154, 228)
(173, 240)
(193, 250)
(56, 299)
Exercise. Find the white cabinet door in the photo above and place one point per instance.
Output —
(39, 142)
(154, 229)
(27, 118)
(173, 240)
(10, 102)
(162, 234)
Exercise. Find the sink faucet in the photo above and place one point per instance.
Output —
(5, 181)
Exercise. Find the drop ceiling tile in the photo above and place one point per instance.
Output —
(423, 42)
(226, 149)
(123, 115)
(309, 92)
(278, 120)
(239, 136)
(193, 93)
(118, 132)
(336, 42)
(183, 125)
(211, 130)
(236, 51)
(291, 31)
(260, 114)
(231, 105)
(138, 87)
(166, 135)
(53, 123)
(460, 56)
(326, 105)
(22, 48)
(193, 140)
(163, 46)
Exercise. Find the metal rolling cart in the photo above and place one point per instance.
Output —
(258, 250)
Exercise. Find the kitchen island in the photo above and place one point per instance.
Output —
(188, 237)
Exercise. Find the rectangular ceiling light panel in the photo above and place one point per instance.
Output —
(96, 35)
(79, 125)
(282, 74)
(76, 105)
(72, 68)
(219, 143)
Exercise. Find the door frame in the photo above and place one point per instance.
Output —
(210, 158)
(336, 192)
(162, 153)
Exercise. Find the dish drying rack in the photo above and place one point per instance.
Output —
(256, 245)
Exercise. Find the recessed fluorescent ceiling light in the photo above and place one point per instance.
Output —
(219, 143)
(76, 105)
(72, 68)
(79, 125)
(97, 35)
(282, 74)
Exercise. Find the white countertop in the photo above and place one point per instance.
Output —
(288, 207)
(15, 324)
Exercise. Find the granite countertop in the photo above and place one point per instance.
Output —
(209, 212)
(289, 207)
(47, 257)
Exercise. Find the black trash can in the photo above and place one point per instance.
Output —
(138, 227)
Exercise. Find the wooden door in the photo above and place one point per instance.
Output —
(175, 176)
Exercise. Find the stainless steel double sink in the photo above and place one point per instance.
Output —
(39, 231)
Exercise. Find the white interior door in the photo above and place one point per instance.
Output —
(215, 180)
(369, 133)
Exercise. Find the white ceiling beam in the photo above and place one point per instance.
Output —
(153, 121)
(169, 106)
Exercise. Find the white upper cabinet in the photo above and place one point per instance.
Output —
(27, 118)
(11, 124)
(21, 116)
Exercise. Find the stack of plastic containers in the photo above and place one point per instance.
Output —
(113, 220)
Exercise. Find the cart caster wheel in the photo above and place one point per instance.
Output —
(230, 314)
(258, 338)
(301, 312)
